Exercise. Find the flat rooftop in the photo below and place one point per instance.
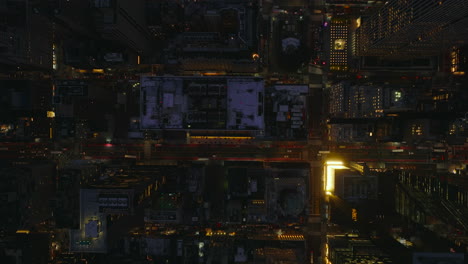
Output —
(92, 235)
(202, 103)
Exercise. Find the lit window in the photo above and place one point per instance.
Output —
(396, 96)
(416, 130)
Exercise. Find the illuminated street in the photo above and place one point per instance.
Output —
(234, 131)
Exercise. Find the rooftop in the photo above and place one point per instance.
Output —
(207, 103)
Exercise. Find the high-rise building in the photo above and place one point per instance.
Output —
(366, 101)
(359, 101)
(25, 37)
(339, 32)
(414, 28)
(338, 98)
(123, 21)
(116, 194)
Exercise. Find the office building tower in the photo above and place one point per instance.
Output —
(339, 31)
(414, 28)
(338, 98)
(124, 22)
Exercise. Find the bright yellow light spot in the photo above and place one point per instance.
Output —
(354, 214)
(334, 163)
(50, 114)
(22, 231)
(214, 73)
(339, 44)
(255, 56)
(329, 177)
(98, 70)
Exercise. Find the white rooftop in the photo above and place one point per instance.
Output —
(214, 102)
(92, 229)
(243, 104)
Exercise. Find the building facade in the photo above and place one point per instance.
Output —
(413, 28)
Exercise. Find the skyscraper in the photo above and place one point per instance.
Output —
(414, 28)
(123, 21)
(339, 31)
